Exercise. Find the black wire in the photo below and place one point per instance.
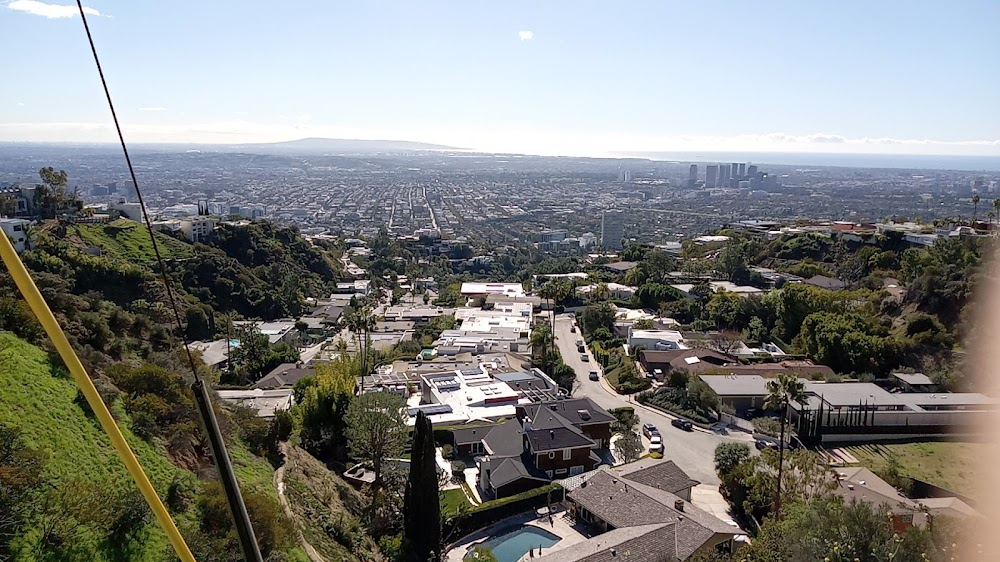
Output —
(142, 204)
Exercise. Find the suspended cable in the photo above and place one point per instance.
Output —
(237, 508)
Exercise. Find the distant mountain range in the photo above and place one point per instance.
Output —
(347, 145)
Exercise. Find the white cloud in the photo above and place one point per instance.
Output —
(526, 35)
(152, 109)
(51, 11)
(20, 104)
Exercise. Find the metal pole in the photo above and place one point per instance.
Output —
(238, 509)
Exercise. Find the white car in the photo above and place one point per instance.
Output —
(656, 444)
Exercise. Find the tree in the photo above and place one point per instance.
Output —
(200, 323)
(757, 331)
(625, 419)
(725, 341)
(781, 392)
(628, 447)
(825, 527)
(598, 316)
(728, 456)
(541, 335)
(480, 554)
(376, 430)
(975, 207)
(421, 502)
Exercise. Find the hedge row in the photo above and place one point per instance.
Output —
(493, 511)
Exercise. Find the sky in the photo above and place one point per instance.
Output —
(543, 77)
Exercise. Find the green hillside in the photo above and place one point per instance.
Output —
(42, 407)
(129, 240)
(78, 454)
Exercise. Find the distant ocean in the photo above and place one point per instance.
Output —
(908, 162)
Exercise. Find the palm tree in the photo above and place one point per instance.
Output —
(991, 214)
(540, 338)
(550, 291)
(781, 392)
(975, 207)
(996, 207)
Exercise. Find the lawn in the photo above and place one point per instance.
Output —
(130, 240)
(958, 467)
(452, 501)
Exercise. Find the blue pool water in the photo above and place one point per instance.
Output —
(511, 546)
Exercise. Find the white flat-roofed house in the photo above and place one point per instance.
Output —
(464, 395)
(656, 339)
(15, 229)
(475, 289)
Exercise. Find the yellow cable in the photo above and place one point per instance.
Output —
(48, 321)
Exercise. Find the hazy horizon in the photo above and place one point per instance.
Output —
(554, 78)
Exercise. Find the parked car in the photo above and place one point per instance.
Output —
(682, 424)
(762, 444)
(656, 444)
(572, 329)
(649, 429)
(585, 358)
(593, 376)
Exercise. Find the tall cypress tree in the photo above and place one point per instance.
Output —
(421, 503)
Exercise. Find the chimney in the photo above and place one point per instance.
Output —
(552, 433)
(679, 505)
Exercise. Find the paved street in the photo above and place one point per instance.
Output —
(692, 451)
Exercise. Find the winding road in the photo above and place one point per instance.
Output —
(693, 451)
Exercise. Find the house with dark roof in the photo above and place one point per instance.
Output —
(285, 376)
(627, 505)
(691, 361)
(543, 441)
(824, 282)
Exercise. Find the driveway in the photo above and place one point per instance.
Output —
(693, 451)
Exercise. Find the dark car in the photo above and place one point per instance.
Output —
(682, 424)
(762, 444)
(649, 429)
(593, 376)
(585, 358)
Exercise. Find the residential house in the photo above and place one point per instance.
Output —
(863, 485)
(543, 441)
(914, 382)
(824, 282)
(265, 402)
(285, 376)
(613, 501)
(860, 411)
(690, 361)
(15, 231)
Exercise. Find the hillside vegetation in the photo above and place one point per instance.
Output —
(77, 454)
(128, 240)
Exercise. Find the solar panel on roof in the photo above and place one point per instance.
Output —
(430, 410)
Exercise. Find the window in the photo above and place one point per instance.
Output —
(575, 470)
(560, 471)
(567, 454)
(908, 518)
(549, 473)
(552, 454)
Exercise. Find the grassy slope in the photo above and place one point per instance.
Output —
(129, 240)
(324, 507)
(42, 407)
(950, 465)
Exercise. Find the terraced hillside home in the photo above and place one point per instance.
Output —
(542, 442)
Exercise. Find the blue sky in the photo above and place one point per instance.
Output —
(564, 77)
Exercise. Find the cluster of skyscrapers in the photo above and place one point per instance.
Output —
(735, 175)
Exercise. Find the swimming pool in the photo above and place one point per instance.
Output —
(512, 545)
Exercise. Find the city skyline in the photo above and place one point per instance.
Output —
(593, 80)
